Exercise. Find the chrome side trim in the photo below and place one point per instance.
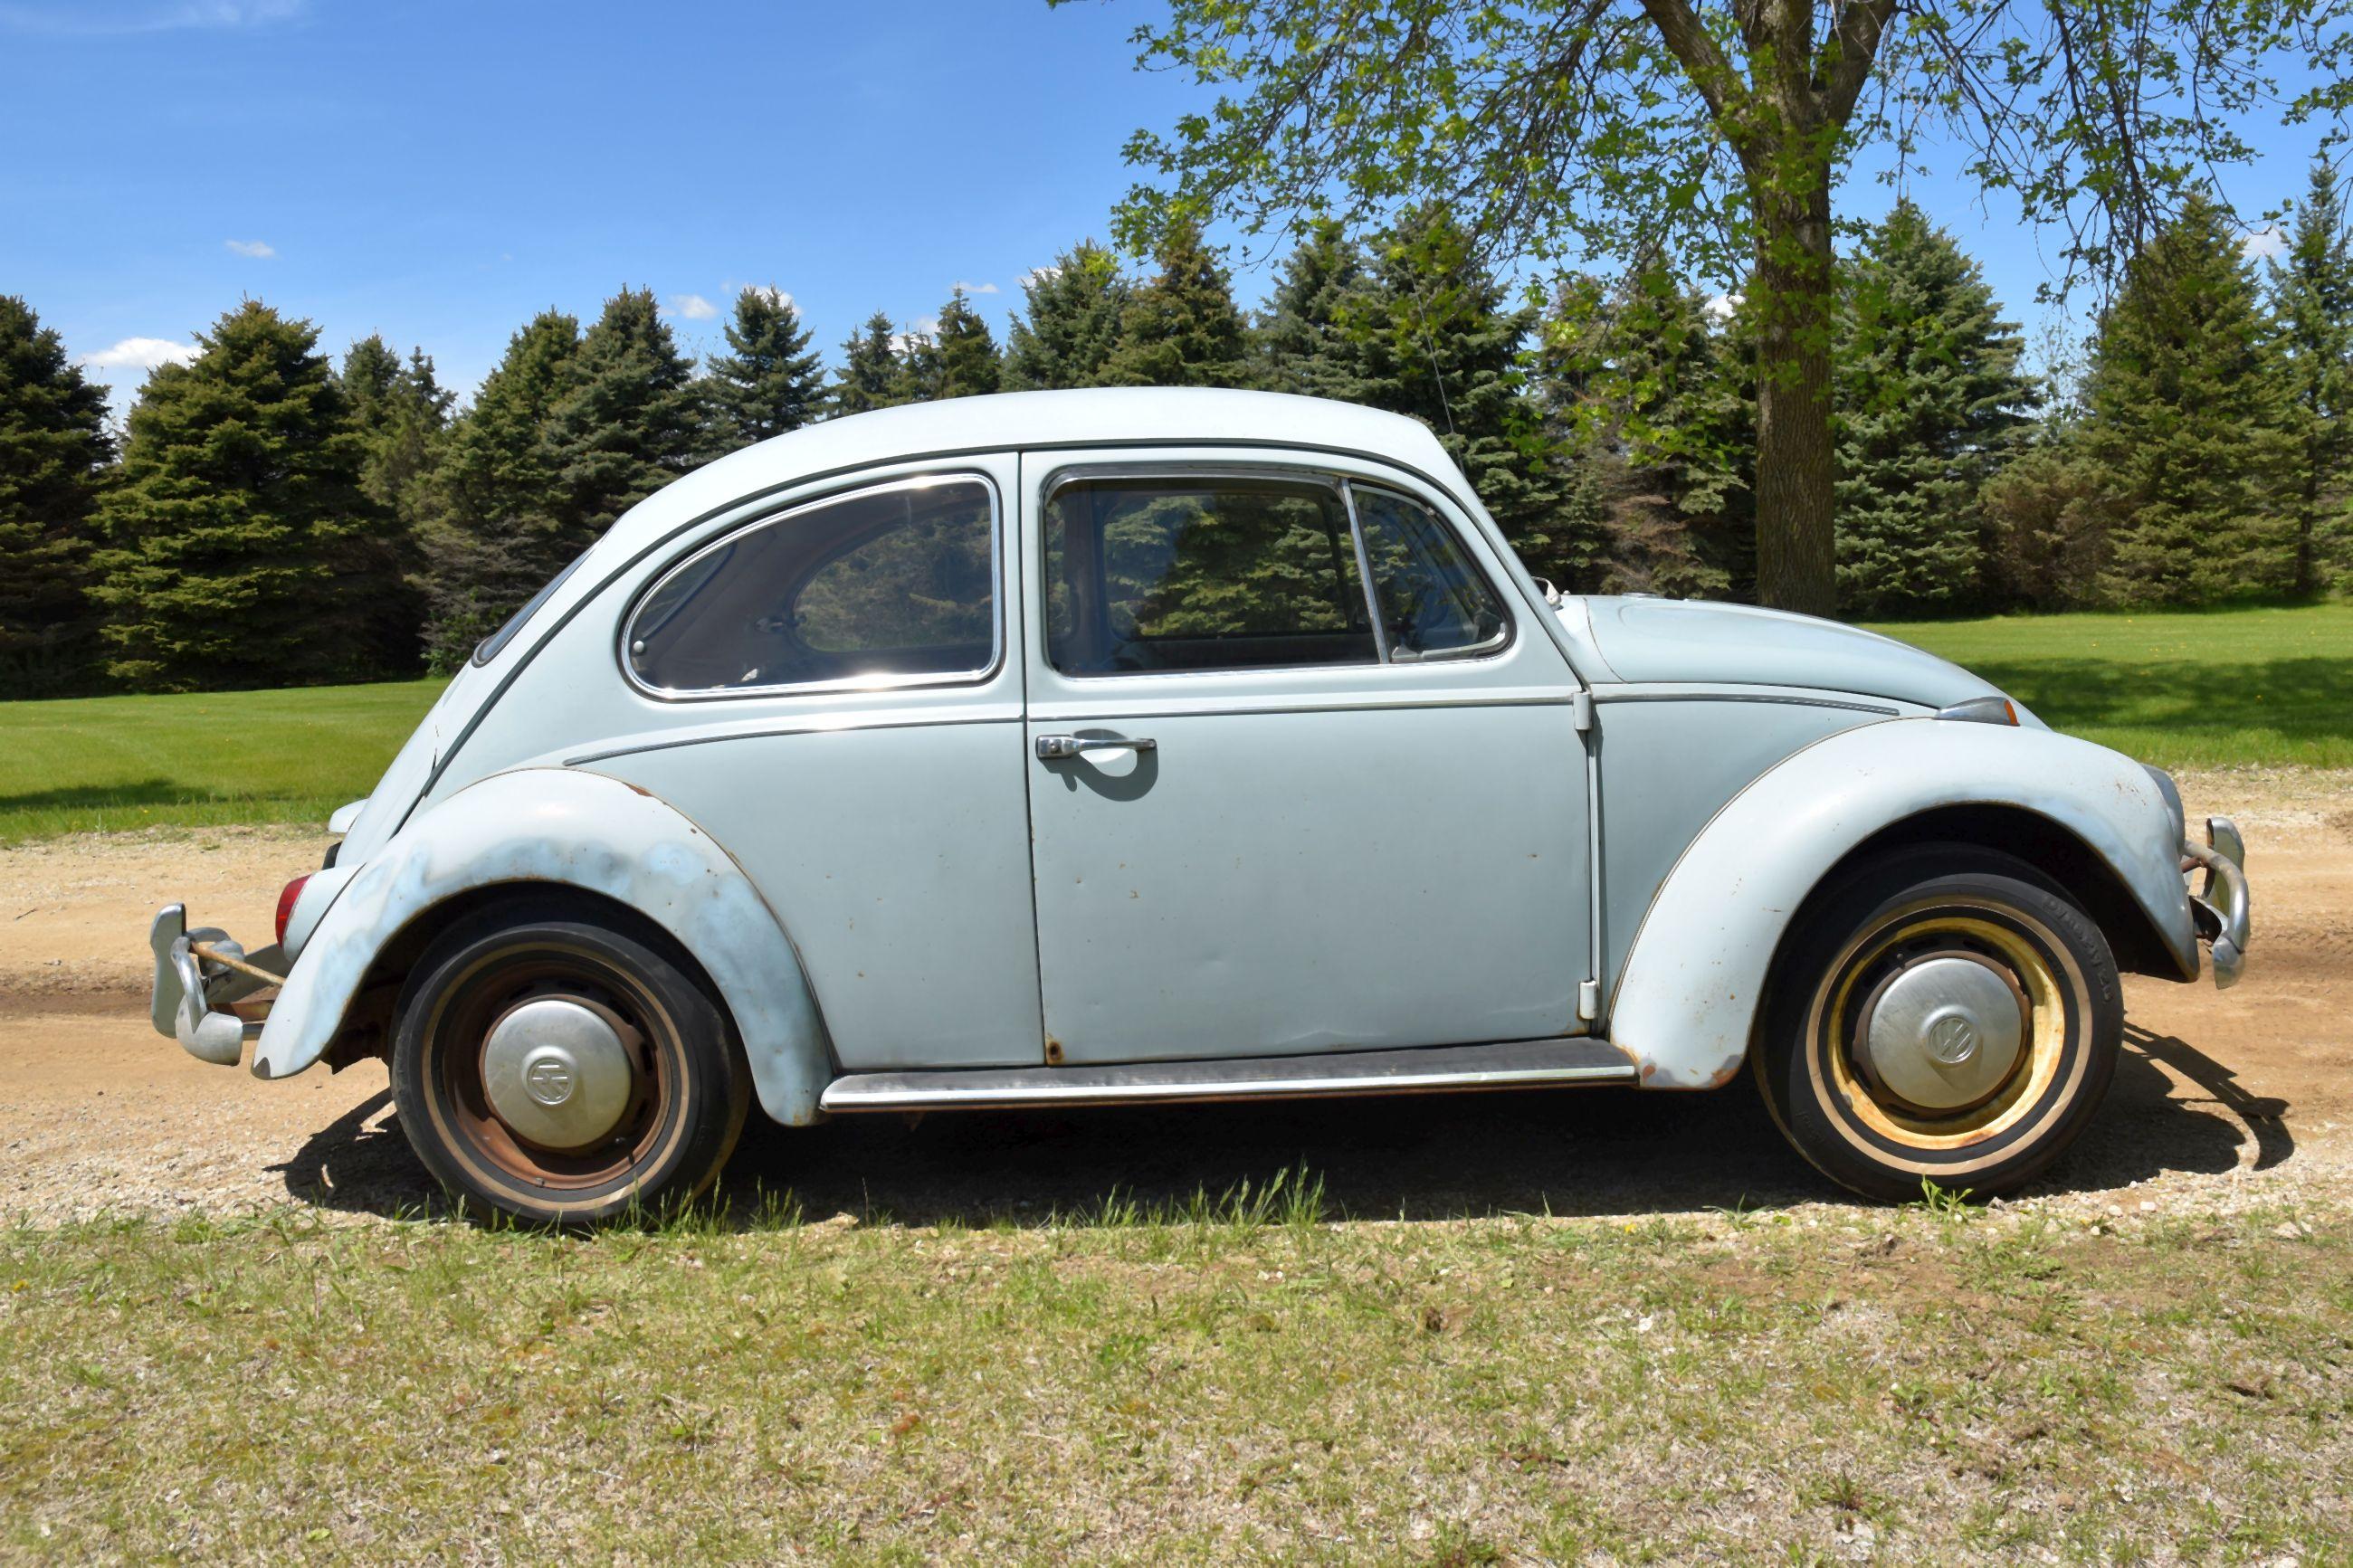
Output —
(1427, 1070)
(1603, 694)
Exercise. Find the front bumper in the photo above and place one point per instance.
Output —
(2224, 926)
(210, 1007)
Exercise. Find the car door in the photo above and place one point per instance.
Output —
(827, 690)
(1265, 820)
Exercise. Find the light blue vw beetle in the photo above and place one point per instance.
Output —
(1108, 747)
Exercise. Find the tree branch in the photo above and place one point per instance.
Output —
(1719, 86)
(1861, 25)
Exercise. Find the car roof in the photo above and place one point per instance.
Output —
(1017, 421)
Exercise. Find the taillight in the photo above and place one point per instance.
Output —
(292, 892)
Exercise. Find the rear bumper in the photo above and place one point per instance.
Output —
(210, 1008)
(2224, 924)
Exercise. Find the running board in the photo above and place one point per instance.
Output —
(1513, 1063)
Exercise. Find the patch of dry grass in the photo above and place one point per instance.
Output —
(1242, 1378)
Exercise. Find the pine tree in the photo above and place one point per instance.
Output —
(629, 423)
(1445, 351)
(2185, 426)
(1069, 328)
(2049, 526)
(401, 412)
(493, 535)
(1315, 337)
(1182, 328)
(53, 444)
(239, 548)
(2311, 302)
(871, 376)
(957, 358)
(1930, 404)
(1660, 396)
(772, 381)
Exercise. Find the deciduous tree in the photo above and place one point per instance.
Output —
(1722, 128)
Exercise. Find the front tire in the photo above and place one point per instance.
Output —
(1944, 1013)
(562, 1068)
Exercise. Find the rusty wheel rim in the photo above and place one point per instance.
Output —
(2026, 982)
(492, 991)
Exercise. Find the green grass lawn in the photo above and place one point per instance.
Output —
(1229, 1381)
(2215, 689)
(104, 764)
(2207, 689)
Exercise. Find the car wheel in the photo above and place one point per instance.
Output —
(1946, 1014)
(562, 1068)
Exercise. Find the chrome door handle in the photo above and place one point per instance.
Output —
(1053, 748)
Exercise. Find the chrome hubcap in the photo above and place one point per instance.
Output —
(556, 1072)
(1943, 1033)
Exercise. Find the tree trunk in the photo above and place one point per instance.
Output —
(1794, 297)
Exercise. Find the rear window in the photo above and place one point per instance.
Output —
(491, 647)
(893, 585)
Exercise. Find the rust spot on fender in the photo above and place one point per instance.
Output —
(1054, 1052)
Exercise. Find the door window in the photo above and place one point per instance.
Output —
(1434, 602)
(895, 585)
(1208, 573)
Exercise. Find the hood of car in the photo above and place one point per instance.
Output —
(1685, 641)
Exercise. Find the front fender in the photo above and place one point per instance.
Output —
(1687, 1004)
(567, 829)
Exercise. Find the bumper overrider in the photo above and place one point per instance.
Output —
(207, 988)
(2222, 924)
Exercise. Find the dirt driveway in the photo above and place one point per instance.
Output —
(2220, 1095)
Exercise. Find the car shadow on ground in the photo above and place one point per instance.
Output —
(1559, 1151)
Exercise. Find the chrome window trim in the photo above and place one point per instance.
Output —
(981, 676)
(1364, 568)
(1335, 480)
(1486, 648)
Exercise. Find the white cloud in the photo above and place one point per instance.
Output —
(1037, 275)
(771, 293)
(925, 327)
(1721, 306)
(2265, 244)
(977, 288)
(693, 307)
(141, 353)
(258, 249)
(86, 20)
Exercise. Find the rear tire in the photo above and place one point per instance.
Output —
(562, 1068)
(1946, 1014)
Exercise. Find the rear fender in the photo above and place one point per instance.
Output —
(1687, 1004)
(559, 827)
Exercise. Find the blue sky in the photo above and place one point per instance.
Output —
(438, 172)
